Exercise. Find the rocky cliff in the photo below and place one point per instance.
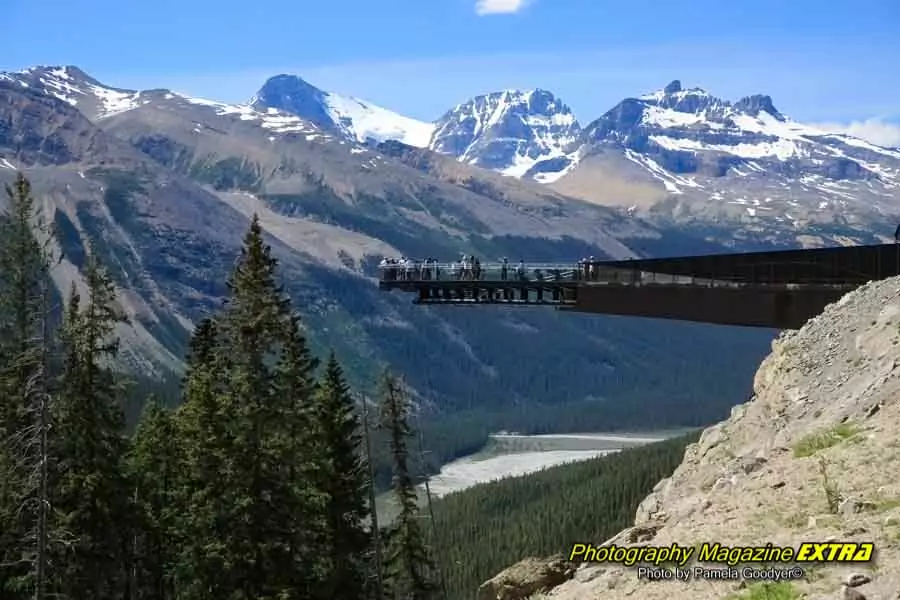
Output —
(814, 456)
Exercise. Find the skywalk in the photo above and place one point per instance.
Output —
(778, 289)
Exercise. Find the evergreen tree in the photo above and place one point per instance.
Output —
(251, 326)
(347, 487)
(200, 499)
(153, 465)
(408, 566)
(299, 446)
(89, 492)
(25, 398)
(253, 525)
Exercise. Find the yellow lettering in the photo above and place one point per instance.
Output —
(811, 552)
(577, 550)
(708, 552)
(864, 554)
(835, 552)
(848, 551)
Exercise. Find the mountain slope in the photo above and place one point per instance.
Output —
(165, 190)
(811, 457)
(739, 173)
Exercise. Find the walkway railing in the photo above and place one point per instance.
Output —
(491, 272)
(550, 273)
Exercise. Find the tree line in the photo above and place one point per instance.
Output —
(256, 487)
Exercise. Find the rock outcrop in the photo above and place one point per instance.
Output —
(527, 578)
(814, 456)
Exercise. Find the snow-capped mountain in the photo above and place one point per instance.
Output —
(689, 132)
(355, 119)
(510, 132)
(163, 190)
(705, 158)
(680, 153)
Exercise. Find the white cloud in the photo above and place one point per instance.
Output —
(499, 7)
(877, 131)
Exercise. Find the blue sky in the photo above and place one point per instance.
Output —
(835, 62)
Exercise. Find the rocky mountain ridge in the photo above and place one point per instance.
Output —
(812, 457)
(736, 173)
(739, 173)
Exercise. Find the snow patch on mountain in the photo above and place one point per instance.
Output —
(72, 86)
(671, 181)
(363, 120)
(780, 148)
(355, 120)
(272, 119)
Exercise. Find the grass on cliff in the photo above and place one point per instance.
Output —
(820, 440)
(766, 590)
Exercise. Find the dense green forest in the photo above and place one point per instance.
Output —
(256, 487)
(482, 530)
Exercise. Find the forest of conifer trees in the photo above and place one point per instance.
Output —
(254, 488)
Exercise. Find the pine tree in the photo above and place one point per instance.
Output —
(89, 492)
(251, 326)
(200, 498)
(299, 446)
(253, 525)
(408, 566)
(154, 469)
(25, 395)
(347, 487)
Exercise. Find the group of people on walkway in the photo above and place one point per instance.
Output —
(587, 270)
(467, 268)
(407, 269)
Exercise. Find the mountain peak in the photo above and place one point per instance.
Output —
(348, 117)
(673, 88)
(294, 95)
(675, 93)
(66, 75)
(757, 103)
(73, 86)
(509, 131)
